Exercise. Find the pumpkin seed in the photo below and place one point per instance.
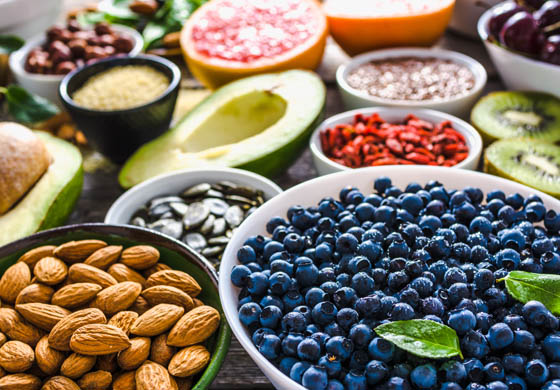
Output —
(221, 240)
(179, 208)
(195, 240)
(212, 251)
(208, 225)
(197, 190)
(198, 212)
(138, 221)
(169, 227)
(234, 216)
(217, 206)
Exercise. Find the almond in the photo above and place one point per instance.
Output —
(16, 328)
(118, 297)
(75, 294)
(140, 306)
(156, 268)
(152, 376)
(20, 382)
(16, 356)
(189, 361)
(132, 357)
(49, 360)
(14, 279)
(168, 294)
(59, 337)
(60, 383)
(197, 302)
(98, 339)
(77, 365)
(161, 352)
(194, 327)
(3, 339)
(174, 278)
(83, 273)
(123, 320)
(75, 251)
(50, 271)
(107, 362)
(98, 380)
(157, 320)
(35, 293)
(125, 381)
(42, 315)
(140, 257)
(34, 255)
(104, 257)
(122, 273)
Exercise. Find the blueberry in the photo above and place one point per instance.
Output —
(514, 363)
(334, 384)
(512, 238)
(424, 377)
(542, 245)
(494, 371)
(515, 383)
(508, 258)
(246, 254)
(474, 344)
(306, 272)
(551, 347)
(483, 279)
(360, 335)
(454, 371)
(535, 313)
(376, 371)
(523, 340)
(281, 266)
(368, 306)
(462, 321)
(497, 385)
(397, 383)
(315, 378)
(500, 336)
(397, 280)
(402, 312)
(536, 372)
(454, 275)
(381, 184)
(270, 300)
(410, 296)
(313, 296)
(451, 386)
(429, 224)
(292, 299)
(344, 297)
(346, 243)
(290, 343)
(515, 322)
(270, 317)
(550, 262)
(249, 313)
(340, 347)
(381, 349)
(552, 221)
(362, 283)
(270, 346)
(355, 380)
(257, 283)
(435, 207)
(309, 349)
(240, 275)
(286, 365)
(297, 371)
(432, 306)
(535, 211)
(346, 318)
(554, 369)
(294, 322)
(412, 203)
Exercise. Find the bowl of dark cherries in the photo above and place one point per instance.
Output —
(523, 38)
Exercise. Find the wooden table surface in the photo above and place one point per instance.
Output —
(101, 189)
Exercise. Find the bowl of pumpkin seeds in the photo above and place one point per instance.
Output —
(200, 207)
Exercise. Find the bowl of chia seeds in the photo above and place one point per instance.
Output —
(201, 207)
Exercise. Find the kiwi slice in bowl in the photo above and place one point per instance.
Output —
(517, 114)
(533, 163)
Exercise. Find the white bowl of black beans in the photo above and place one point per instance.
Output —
(454, 79)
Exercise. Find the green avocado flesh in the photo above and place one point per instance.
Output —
(51, 200)
(259, 123)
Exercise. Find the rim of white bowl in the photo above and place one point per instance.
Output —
(228, 292)
(482, 27)
(227, 173)
(478, 71)
(474, 141)
(17, 58)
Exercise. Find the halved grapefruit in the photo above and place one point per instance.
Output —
(225, 40)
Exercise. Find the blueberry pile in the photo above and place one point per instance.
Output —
(313, 292)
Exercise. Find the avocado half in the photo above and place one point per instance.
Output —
(259, 123)
(51, 199)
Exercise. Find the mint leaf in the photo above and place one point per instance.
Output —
(10, 43)
(26, 107)
(527, 286)
(423, 338)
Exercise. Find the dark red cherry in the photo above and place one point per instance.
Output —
(521, 33)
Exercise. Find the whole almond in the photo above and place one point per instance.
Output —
(123, 320)
(107, 362)
(50, 270)
(76, 365)
(140, 306)
(49, 360)
(20, 382)
(194, 327)
(189, 361)
(174, 278)
(75, 251)
(34, 255)
(35, 293)
(17, 328)
(152, 376)
(125, 381)
(16, 356)
(140, 257)
(117, 297)
(97, 380)
(161, 352)
(168, 294)
(83, 273)
(14, 279)
(104, 257)
(122, 273)
(157, 320)
(98, 339)
(42, 315)
(60, 335)
(60, 383)
(8, 318)
(133, 357)
(156, 268)
(75, 294)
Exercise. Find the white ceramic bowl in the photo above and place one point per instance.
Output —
(459, 106)
(26, 18)
(466, 14)
(517, 71)
(309, 194)
(171, 184)
(47, 85)
(325, 166)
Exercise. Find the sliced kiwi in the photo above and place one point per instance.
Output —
(529, 162)
(518, 114)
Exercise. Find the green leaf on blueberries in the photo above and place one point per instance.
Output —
(422, 338)
(527, 286)
(26, 107)
(10, 43)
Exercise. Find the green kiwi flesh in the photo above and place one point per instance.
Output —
(529, 162)
(518, 114)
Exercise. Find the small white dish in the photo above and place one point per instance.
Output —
(26, 18)
(171, 184)
(47, 85)
(308, 194)
(518, 71)
(466, 14)
(459, 106)
(325, 165)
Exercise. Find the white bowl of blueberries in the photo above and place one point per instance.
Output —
(312, 280)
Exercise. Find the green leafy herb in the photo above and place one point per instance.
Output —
(10, 43)
(423, 338)
(27, 108)
(527, 286)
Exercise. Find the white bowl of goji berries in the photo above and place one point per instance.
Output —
(379, 136)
